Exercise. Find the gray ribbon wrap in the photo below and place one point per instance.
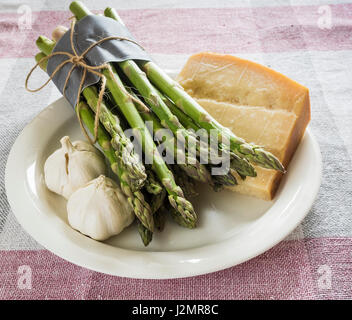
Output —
(88, 31)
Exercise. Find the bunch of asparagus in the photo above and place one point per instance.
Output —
(157, 189)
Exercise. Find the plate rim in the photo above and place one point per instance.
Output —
(100, 265)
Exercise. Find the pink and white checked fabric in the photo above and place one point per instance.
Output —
(309, 41)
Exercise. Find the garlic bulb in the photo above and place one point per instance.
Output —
(99, 209)
(72, 166)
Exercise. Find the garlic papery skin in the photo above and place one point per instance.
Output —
(72, 166)
(99, 209)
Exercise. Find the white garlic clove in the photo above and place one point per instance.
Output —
(99, 209)
(72, 166)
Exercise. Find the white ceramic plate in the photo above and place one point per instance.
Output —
(232, 228)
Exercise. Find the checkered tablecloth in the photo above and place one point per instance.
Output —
(309, 41)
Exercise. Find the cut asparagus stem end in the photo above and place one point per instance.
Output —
(79, 10)
(45, 44)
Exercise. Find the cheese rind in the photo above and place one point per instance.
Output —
(256, 103)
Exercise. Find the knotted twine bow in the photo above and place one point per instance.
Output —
(78, 61)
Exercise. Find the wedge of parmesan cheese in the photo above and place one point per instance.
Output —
(256, 103)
